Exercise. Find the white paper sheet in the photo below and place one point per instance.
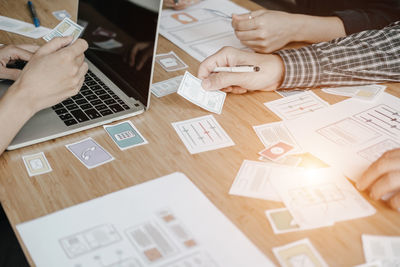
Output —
(202, 134)
(271, 133)
(364, 92)
(253, 180)
(22, 28)
(350, 135)
(383, 248)
(166, 87)
(164, 222)
(320, 197)
(199, 32)
(191, 89)
(297, 105)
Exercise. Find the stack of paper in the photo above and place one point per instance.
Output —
(365, 92)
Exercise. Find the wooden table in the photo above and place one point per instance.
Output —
(71, 183)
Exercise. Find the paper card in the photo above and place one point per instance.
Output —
(109, 44)
(363, 92)
(295, 106)
(382, 248)
(202, 134)
(272, 133)
(191, 89)
(61, 14)
(170, 62)
(299, 254)
(276, 151)
(371, 264)
(320, 197)
(104, 32)
(90, 153)
(166, 87)
(125, 135)
(282, 221)
(253, 180)
(22, 28)
(289, 160)
(65, 28)
(36, 164)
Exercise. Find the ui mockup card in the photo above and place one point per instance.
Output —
(65, 28)
(170, 62)
(276, 151)
(90, 153)
(36, 164)
(166, 87)
(191, 89)
(61, 14)
(125, 135)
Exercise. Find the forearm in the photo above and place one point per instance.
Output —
(315, 29)
(366, 57)
(13, 115)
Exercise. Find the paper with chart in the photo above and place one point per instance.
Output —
(22, 28)
(176, 227)
(253, 180)
(199, 31)
(299, 254)
(385, 249)
(272, 133)
(352, 134)
(191, 89)
(65, 28)
(202, 134)
(295, 106)
(320, 197)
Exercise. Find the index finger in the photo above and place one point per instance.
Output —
(386, 163)
(223, 58)
(78, 47)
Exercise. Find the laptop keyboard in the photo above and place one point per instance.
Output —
(94, 100)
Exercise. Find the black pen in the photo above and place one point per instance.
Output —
(34, 14)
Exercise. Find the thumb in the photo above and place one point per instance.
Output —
(9, 74)
(217, 81)
(54, 45)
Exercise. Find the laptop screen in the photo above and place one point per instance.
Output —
(122, 36)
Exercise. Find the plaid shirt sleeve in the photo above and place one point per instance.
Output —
(360, 58)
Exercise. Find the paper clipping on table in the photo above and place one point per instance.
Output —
(191, 89)
(297, 105)
(164, 222)
(65, 28)
(385, 249)
(22, 28)
(202, 134)
(166, 87)
(202, 29)
(364, 92)
(351, 134)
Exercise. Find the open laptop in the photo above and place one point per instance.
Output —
(122, 37)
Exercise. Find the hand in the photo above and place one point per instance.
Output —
(10, 53)
(266, 31)
(181, 4)
(382, 178)
(268, 78)
(54, 73)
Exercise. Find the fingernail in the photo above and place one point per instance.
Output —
(206, 84)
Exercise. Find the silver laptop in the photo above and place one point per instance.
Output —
(117, 85)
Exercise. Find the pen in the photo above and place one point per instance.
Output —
(34, 14)
(249, 68)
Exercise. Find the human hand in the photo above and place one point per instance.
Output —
(382, 179)
(266, 31)
(10, 53)
(180, 4)
(268, 78)
(54, 73)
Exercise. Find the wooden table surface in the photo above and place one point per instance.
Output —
(70, 183)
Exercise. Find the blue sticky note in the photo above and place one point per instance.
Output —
(125, 135)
